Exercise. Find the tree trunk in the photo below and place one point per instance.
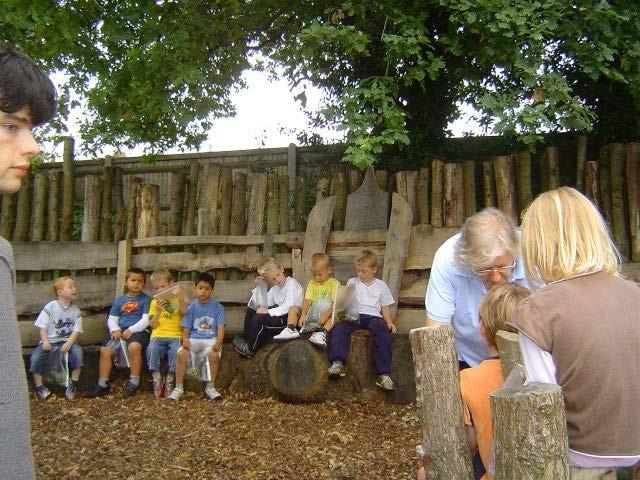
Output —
(118, 200)
(437, 201)
(552, 173)
(53, 221)
(604, 177)
(469, 188)
(422, 195)
(39, 207)
(285, 206)
(132, 206)
(8, 216)
(581, 162)
(444, 441)
(633, 194)
(453, 195)
(297, 371)
(23, 212)
(591, 189)
(66, 225)
(509, 351)
(530, 433)
(105, 204)
(190, 216)
(505, 186)
(91, 216)
(176, 207)
(523, 177)
(301, 204)
(618, 205)
(339, 187)
(488, 184)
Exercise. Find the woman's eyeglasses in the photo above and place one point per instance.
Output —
(502, 270)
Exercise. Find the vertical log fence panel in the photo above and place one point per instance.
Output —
(8, 215)
(323, 189)
(453, 195)
(437, 199)
(339, 189)
(523, 176)
(132, 206)
(618, 206)
(176, 207)
(505, 186)
(192, 199)
(581, 162)
(633, 195)
(66, 224)
(381, 179)
(551, 169)
(285, 202)
(273, 204)
(105, 203)
(118, 201)
(38, 217)
(488, 184)
(422, 195)
(53, 220)
(604, 182)
(149, 218)
(23, 212)
(591, 176)
(301, 204)
(92, 203)
(470, 206)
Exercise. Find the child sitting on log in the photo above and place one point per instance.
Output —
(374, 312)
(165, 313)
(321, 288)
(128, 320)
(60, 323)
(202, 336)
(284, 301)
(476, 383)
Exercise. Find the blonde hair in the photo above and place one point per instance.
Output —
(161, 274)
(58, 283)
(485, 236)
(368, 258)
(564, 235)
(496, 309)
(268, 265)
(320, 260)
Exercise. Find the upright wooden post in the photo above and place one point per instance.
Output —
(581, 162)
(238, 223)
(488, 184)
(226, 205)
(339, 189)
(286, 211)
(118, 201)
(453, 195)
(255, 214)
(315, 237)
(132, 210)
(190, 216)
(208, 205)
(604, 182)
(39, 207)
(91, 216)
(422, 195)
(552, 173)
(591, 189)
(505, 186)
(53, 220)
(523, 178)
(508, 350)
(444, 441)
(66, 225)
(469, 188)
(530, 433)
(273, 204)
(125, 248)
(618, 205)
(176, 207)
(8, 215)
(105, 204)
(23, 212)
(633, 194)
(301, 204)
(397, 246)
(149, 218)
(292, 171)
(437, 181)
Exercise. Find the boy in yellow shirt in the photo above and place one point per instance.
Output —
(320, 287)
(165, 313)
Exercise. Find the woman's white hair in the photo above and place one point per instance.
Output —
(485, 236)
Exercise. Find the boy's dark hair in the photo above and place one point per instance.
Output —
(24, 84)
(135, 270)
(205, 277)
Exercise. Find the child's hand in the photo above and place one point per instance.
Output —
(217, 346)
(162, 304)
(186, 344)
(392, 328)
(301, 321)
(116, 334)
(46, 346)
(67, 346)
(127, 334)
(262, 310)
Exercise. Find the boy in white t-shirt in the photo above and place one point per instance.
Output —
(60, 323)
(374, 312)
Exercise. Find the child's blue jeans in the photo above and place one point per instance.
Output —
(40, 357)
(158, 348)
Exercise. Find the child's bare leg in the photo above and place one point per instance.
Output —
(37, 379)
(135, 358)
(292, 315)
(421, 474)
(104, 367)
(181, 366)
(75, 375)
(214, 363)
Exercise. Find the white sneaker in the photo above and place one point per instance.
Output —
(176, 394)
(286, 334)
(211, 393)
(319, 339)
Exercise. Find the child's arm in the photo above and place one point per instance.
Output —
(70, 341)
(386, 316)
(44, 339)
(186, 344)
(306, 305)
(217, 346)
(155, 310)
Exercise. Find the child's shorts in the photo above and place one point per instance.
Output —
(202, 346)
(158, 348)
(139, 337)
(40, 357)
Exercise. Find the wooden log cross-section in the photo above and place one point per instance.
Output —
(509, 351)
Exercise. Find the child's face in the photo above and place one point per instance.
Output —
(203, 291)
(365, 272)
(275, 277)
(135, 283)
(161, 284)
(320, 274)
(17, 146)
(68, 291)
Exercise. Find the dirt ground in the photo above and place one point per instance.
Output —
(237, 438)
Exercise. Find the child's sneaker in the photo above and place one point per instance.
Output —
(42, 392)
(385, 382)
(306, 329)
(336, 370)
(130, 389)
(176, 394)
(242, 348)
(72, 390)
(211, 393)
(288, 333)
(319, 339)
(99, 391)
(168, 388)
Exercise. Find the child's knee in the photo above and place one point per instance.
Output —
(214, 357)
(134, 348)
(182, 355)
(105, 352)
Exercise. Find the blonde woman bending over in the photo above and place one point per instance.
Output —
(581, 330)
